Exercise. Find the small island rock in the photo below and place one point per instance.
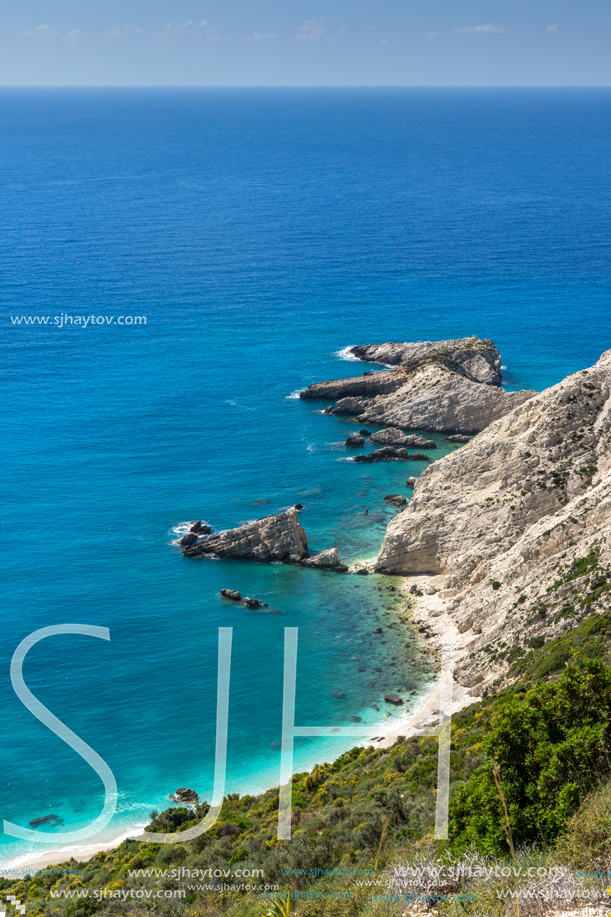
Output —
(326, 560)
(184, 794)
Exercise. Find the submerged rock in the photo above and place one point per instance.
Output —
(326, 560)
(276, 537)
(46, 820)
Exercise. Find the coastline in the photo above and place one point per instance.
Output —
(387, 733)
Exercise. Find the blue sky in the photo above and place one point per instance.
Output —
(306, 42)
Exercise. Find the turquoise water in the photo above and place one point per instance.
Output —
(259, 232)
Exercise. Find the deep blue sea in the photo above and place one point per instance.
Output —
(259, 232)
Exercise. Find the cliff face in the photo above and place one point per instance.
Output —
(440, 400)
(503, 519)
(481, 359)
(441, 386)
(277, 537)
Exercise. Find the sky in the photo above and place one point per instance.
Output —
(305, 42)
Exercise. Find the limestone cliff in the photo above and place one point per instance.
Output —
(515, 526)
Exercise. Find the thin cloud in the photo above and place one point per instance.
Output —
(41, 31)
(479, 30)
(431, 34)
(552, 28)
(259, 37)
(309, 30)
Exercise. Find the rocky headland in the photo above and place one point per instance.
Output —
(438, 386)
(512, 529)
(479, 358)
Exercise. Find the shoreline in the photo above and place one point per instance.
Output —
(407, 725)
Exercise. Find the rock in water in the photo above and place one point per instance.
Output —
(393, 437)
(232, 594)
(457, 438)
(393, 699)
(185, 795)
(326, 560)
(395, 499)
(480, 358)
(411, 482)
(188, 539)
(254, 603)
(46, 820)
(350, 406)
(385, 454)
(276, 537)
(418, 457)
(200, 528)
(364, 432)
(342, 389)
(355, 441)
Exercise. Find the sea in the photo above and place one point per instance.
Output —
(259, 233)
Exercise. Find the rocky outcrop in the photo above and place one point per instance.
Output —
(189, 538)
(351, 406)
(411, 482)
(449, 387)
(393, 437)
(232, 594)
(479, 358)
(185, 795)
(395, 499)
(354, 442)
(277, 537)
(200, 528)
(457, 438)
(439, 400)
(517, 525)
(374, 384)
(385, 454)
(393, 699)
(326, 560)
